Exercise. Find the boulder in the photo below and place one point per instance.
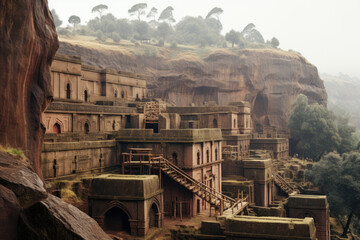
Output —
(17, 175)
(9, 214)
(54, 219)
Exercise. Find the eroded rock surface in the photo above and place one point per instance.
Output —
(27, 45)
(54, 219)
(16, 174)
(9, 213)
(269, 79)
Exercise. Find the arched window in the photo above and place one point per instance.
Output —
(215, 123)
(85, 95)
(68, 91)
(137, 97)
(234, 123)
(86, 128)
(198, 158)
(115, 93)
(56, 128)
(207, 155)
(113, 125)
(122, 94)
(216, 154)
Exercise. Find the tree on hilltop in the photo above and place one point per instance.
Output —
(274, 42)
(215, 12)
(152, 13)
(233, 37)
(56, 18)
(250, 34)
(163, 30)
(74, 20)
(100, 9)
(138, 10)
(167, 15)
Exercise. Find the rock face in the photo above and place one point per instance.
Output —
(267, 78)
(27, 45)
(54, 219)
(28, 212)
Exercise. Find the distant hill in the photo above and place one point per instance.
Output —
(343, 96)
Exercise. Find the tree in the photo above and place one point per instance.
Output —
(75, 20)
(141, 29)
(99, 8)
(233, 37)
(215, 12)
(274, 42)
(313, 129)
(138, 10)
(192, 30)
(167, 15)
(339, 178)
(251, 34)
(163, 30)
(152, 13)
(56, 18)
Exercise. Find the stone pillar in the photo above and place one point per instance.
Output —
(315, 206)
(133, 227)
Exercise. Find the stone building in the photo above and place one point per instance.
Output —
(100, 117)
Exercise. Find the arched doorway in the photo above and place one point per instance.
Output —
(116, 219)
(68, 91)
(85, 95)
(175, 158)
(56, 128)
(215, 123)
(154, 216)
(86, 128)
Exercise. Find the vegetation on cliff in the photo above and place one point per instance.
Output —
(339, 178)
(160, 28)
(316, 131)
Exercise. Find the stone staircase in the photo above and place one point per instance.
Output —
(288, 188)
(216, 199)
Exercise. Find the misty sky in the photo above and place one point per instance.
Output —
(326, 32)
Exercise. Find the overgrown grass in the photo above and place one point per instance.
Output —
(13, 151)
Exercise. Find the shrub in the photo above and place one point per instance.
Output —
(115, 37)
(173, 44)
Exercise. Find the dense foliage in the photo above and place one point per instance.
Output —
(161, 27)
(339, 178)
(316, 131)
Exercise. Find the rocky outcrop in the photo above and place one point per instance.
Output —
(27, 45)
(269, 79)
(59, 220)
(28, 212)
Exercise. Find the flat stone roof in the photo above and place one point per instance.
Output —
(257, 163)
(170, 135)
(270, 227)
(308, 201)
(269, 140)
(124, 187)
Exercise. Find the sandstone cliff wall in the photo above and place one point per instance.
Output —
(269, 79)
(27, 45)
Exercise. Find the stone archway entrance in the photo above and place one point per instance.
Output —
(117, 220)
(154, 216)
(56, 128)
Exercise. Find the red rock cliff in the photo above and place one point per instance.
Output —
(27, 45)
(269, 79)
